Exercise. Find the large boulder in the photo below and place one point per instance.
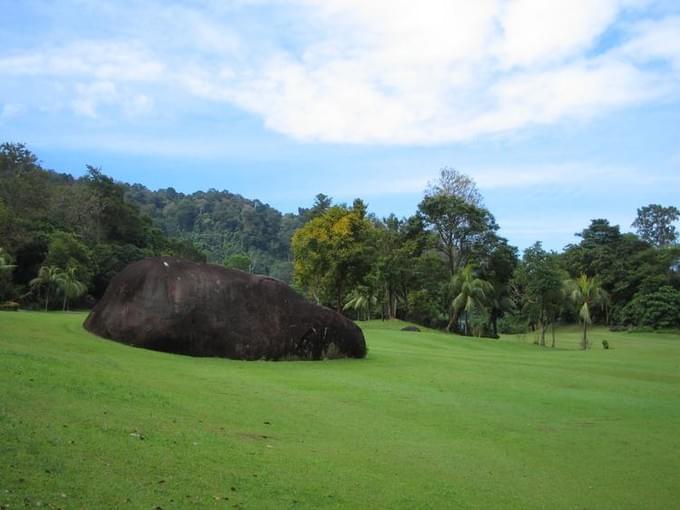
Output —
(172, 305)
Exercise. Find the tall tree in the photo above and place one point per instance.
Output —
(542, 281)
(586, 293)
(654, 224)
(453, 183)
(459, 225)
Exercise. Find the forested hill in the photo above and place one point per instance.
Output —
(97, 226)
(224, 226)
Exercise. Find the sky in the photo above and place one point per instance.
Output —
(561, 110)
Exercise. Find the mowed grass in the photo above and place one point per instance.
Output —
(428, 420)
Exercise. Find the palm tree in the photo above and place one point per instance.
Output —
(69, 285)
(361, 300)
(46, 277)
(586, 292)
(471, 292)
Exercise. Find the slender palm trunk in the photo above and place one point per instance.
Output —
(47, 297)
(63, 308)
(584, 340)
(452, 321)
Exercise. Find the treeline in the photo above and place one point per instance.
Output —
(447, 267)
(62, 239)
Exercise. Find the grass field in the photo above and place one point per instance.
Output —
(426, 421)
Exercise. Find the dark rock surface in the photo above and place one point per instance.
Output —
(411, 328)
(172, 305)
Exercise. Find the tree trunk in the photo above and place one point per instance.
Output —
(47, 297)
(584, 340)
(541, 325)
(453, 320)
(467, 324)
(553, 334)
(63, 308)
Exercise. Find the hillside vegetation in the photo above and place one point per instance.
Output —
(428, 420)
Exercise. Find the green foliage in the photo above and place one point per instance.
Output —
(69, 285)
(541, 282)
(654, 224)
(471, 298)
(47, 278)
(333, 254)
(461, 227)
(659, 309)
(362, 301)
(50, 219)
(6, 268)
(221, 224)
(586, 293)
(66, 250)
(238, 261)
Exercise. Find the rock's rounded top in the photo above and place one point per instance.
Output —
(173, 305)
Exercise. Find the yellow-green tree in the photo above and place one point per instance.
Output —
(333, 253)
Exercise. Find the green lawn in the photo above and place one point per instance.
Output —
(426, 421)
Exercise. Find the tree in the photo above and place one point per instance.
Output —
(497, 264)
(5, 261)
(333, 254)
(654, 224)
(612, 256)
(363, 301)
(453, 183)
(470, 293)
(460, 227)
(6, 268)
(542, 283)
(586, 293)
(66, 250)
(69, 285)
(47, 277)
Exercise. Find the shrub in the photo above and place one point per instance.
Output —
(605, 344)
(512, 325)
(657, 309)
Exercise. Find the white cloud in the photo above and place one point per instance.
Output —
(388, 72)
(10, 111)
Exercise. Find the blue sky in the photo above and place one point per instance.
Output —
(562, 111)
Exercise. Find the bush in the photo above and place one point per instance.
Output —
(618, 328)
(658, 309)
(605, 344)
(512, 325)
